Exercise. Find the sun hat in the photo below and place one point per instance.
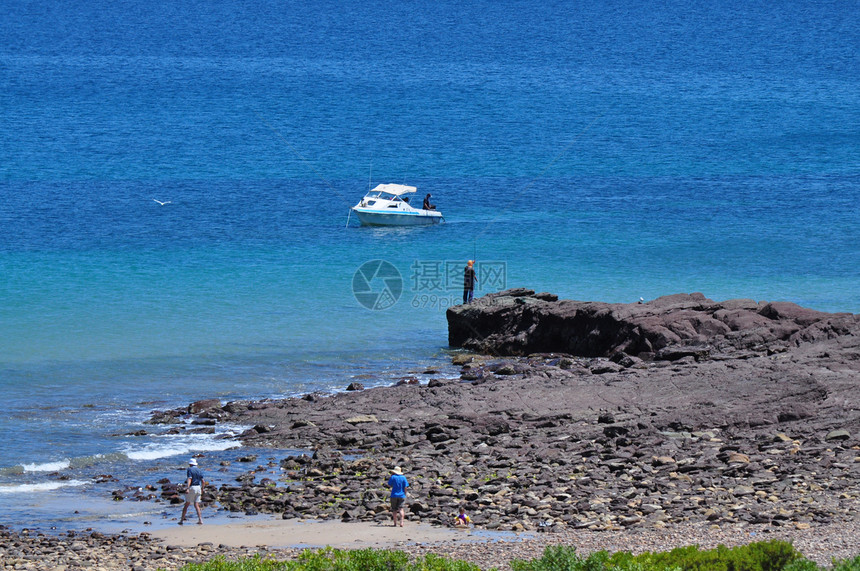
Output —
(397, 471)
(192, 462)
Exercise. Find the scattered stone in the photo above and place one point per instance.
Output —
(838, 435)
(362, 418)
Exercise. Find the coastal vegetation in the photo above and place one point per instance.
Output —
(773, 555)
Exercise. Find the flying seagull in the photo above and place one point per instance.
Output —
(162, 203)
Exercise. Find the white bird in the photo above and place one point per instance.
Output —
(163, 203)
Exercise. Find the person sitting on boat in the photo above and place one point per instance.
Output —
(427, 205)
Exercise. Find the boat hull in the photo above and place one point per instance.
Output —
(376, 218)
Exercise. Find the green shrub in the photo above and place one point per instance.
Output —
(554, 557)
(761, 556)
(431, 562)
(255, 563)
(801, 565)
(330, 559)
(852, 564)
(563, 558)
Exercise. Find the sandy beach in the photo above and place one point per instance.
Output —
(299, 533)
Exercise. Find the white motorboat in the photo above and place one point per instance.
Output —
(388, 205)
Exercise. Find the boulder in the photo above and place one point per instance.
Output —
(203, 405)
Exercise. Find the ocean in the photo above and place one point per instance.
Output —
(175, 179)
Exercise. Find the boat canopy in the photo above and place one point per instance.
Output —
(395, 189)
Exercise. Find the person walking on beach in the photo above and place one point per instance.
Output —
(194, 491)
(398, 484)
(469, 281)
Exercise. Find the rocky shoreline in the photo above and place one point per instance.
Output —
(755, 425)
(677, 418)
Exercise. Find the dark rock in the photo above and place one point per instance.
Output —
(505, 369)
(471, 374)
(603, 367)
(516, 322)
(203, 405)
(676, 352)
(165, 417)
(794, 411)
(614, 431)
(235, 407)
(837, 435)
(626, 360)
(354, 386)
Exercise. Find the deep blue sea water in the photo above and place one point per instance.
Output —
(600, 151)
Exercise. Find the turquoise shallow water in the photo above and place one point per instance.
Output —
(596, 151)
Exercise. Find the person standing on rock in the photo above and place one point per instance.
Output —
(398, 484)
(194, 491)
(469, 281)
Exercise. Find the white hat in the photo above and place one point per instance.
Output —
(192, 462)
(397, 470)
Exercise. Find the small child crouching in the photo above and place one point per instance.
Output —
(462, 519)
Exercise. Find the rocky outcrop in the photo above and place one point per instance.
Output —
(520, 322)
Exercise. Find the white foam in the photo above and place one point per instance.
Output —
(87, 461)
(43, 487)
(48, 466)
(178, 445)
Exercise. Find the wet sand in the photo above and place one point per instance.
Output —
(298, 533)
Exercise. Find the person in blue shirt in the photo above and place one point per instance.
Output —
(194, 490)
(398, 484)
